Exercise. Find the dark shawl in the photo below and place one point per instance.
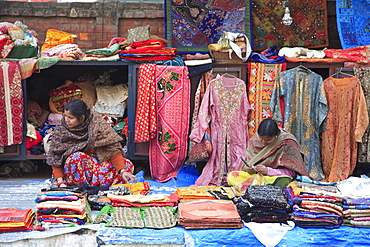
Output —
(94, 133)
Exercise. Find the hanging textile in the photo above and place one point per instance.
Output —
(145, 126)
(260, 85)
(226, 108)
(168, 150)
(200, 154)
(346, 123)
(363, 74)
(303, 112)
(11, 104)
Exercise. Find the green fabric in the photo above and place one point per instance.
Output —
(44, 63)
(104, 51)
(23, 51)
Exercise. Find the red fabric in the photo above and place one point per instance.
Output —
(11, 104)
(30, 142)
(168, 150)
(145, 121)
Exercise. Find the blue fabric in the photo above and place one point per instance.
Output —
(353, 22)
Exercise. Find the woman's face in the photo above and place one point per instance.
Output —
(71, 120)
(267, 140)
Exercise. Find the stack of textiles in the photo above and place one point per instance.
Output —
(62, 208)
(142, 188)
(15, 220)
(206, 193)
(138, 217)
(263, 204)
(143, 201)
(356, 212)
(209, 214)
(314, 207)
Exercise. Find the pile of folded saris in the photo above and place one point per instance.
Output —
(62, 208)
(263, 204)
(315, 205)
(207, 207)
(15, 220)
(138, 208)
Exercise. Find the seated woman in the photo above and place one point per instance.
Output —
(85, 150)
(272, 155)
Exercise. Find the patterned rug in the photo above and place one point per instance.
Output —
(192, 25)
(353, 22)
(309, 27)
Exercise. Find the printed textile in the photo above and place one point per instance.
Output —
(303, 112)
(145, 110)
(14, 220)
(226, 108)
(168, 149)
(261, 80)
(193, 25)
(309, 27)
(346, 123)
(363, 74)
(352, 22)
(84, 169)
(11, 104)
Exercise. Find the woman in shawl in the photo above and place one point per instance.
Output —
(273, 157)
(85, 150)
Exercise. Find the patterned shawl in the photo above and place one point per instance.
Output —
(284, 151)
(94, 133)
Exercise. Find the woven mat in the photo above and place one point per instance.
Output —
(309, 27)
(353, 22)
(192, 25)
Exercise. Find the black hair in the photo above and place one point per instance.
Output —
(78, 108)
(268, 127)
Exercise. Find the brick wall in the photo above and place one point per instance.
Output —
(96, 23)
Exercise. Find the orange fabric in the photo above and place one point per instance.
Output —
(56, 37)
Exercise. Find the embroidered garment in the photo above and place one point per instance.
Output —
(226, 108)
(261, 79)
(302, 113)
(168, 150)
(346, 123)
(11, 104)
(145, 121)
(363, 74)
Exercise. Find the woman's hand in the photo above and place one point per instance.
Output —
(128, 177)
(261, 169)
(60, 182)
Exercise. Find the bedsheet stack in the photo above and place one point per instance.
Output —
(62, 208)
(15, 220)
(315, 207)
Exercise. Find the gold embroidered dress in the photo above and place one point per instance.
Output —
(225, 106)
(346, 123)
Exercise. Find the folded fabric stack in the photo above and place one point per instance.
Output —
(209, 214)
(15, 220)
(356, 212)
(315, 208)
(143, 201)
(141, 188)
(205, 193)
(262, 204)
(142, 217)
(62, 208)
